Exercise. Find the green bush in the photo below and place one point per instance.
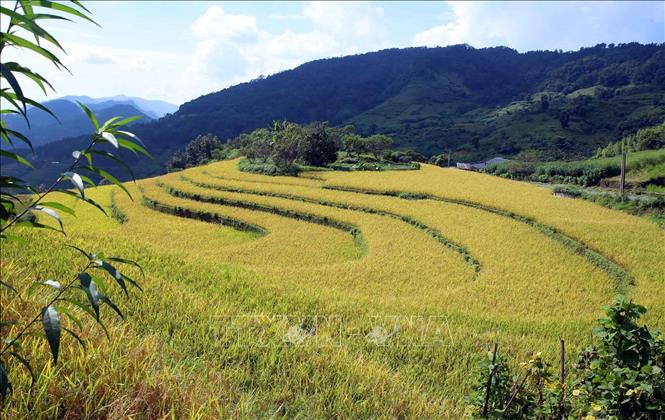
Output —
(619, 376)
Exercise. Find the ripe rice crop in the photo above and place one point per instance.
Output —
(279, 296)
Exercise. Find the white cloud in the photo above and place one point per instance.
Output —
(547, 25)
(99, 71)
(233, 48)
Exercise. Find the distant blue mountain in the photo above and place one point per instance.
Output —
(150, 107)
(72, 121)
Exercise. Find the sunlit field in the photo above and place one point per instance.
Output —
(367, 293)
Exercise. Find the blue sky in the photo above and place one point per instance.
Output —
(177, 51)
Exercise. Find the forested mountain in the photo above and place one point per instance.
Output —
(475, 102)
(71, 121)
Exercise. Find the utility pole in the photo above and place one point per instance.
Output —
(449, 152)
(622, 182)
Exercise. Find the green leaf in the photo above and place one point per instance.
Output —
(134, 147)
(69, 315)
(104, 174)
(62, 8)
(132, 282)
(35, 77)
(51, 322)
(73, 334)
(50, 283)
(51, 213)
(27, 366)
(10, 287)
(88, 256)
(115, 159)
(33, 103)
(5, 385)
(18, 135)
(114, 273)
(132, 136)
(22, 42)
(13, 83)
(108, 123)
(29, 223)
(16, 157)
(28, 23)
(124, 121)
(86, 199)
(126, 261)
(110, 138)
(107, 301)
(91, 291)
(76, 180)
(58, 206)
(90, 114)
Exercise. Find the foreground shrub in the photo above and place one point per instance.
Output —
(619, 376)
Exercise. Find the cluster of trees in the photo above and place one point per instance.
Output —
(650, 138)
(286, 144)
(201, 150)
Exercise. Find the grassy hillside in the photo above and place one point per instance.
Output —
(330, 292)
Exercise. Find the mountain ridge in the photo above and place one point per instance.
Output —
(477, 103)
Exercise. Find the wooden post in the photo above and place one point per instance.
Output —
(562, 378)
(562, 366)
(622, 183)
(489, 382)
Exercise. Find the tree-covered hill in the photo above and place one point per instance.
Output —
(475, 102)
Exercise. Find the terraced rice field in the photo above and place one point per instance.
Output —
(364, 293)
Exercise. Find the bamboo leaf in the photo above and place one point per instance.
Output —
(106, 175)
(133, 147)
(62, 8)
(115, 159)
(22, 42)
(126, 261)
(51, 213)
(5, 385)
(73, 334)
(16, 157)
(90, 289)
(13, 83)
(27, 366)
(114, 273)
(125, 121)
(51, 322)
(58, 206)
(69, 315)
(10, 287)
(90, 114)
(108, 301)
(76, 180)
(110, 138)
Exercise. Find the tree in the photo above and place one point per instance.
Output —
(320, 144)
(564, 119)
(378, 143)
(257, 144)
(286, 145)
(22, 205)
(198, 151)
(354, 144)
